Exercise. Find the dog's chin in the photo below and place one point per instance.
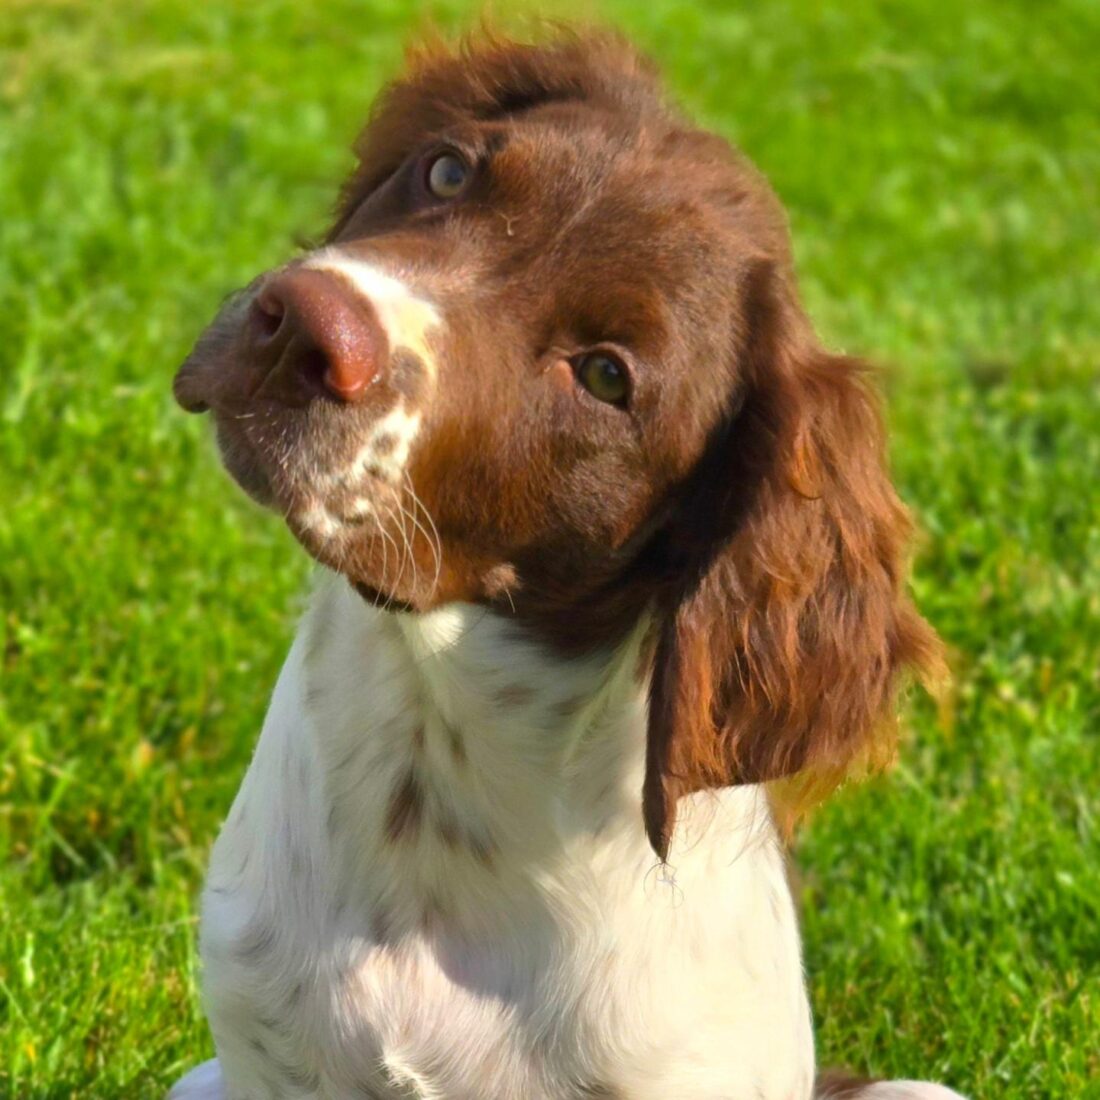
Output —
(347, 544)
(253, 479)
(382, 599)
(244, 465)
(353, 554)
(338, 522)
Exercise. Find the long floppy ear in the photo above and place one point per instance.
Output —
(780, 642)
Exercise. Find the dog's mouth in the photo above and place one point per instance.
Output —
(317, 375)
(336, 475)
(324, 475)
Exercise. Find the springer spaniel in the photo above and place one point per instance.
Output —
(610, 545)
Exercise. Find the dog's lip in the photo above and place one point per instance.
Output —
(196, 405)
(379, 598)
(187, 389)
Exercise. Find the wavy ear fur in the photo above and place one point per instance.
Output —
(779, 646)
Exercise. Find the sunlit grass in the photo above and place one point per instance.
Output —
(941, 167)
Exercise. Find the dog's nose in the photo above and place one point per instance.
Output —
(313, 335)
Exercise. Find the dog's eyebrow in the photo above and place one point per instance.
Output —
(518, 101)
(488, 143)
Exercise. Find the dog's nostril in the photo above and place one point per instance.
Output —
(313, 367)
(266, 316)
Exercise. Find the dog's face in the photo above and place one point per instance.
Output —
(550, 359)
(518, 336)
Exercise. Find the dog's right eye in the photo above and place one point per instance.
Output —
(604, 376)
(447, 175)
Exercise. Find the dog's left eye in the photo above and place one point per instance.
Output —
(604, 376)
(447, 175)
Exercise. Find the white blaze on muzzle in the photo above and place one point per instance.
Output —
(406, 321)
(405, 318)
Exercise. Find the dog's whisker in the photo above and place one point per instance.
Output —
(387, 541)
(407, 554)
(432, 536)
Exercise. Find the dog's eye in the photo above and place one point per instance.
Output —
(604, 376)
(447, 175)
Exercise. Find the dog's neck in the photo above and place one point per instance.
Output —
(476, 667)
(451, 749)
(441, 832)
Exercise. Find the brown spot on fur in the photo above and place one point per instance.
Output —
(405, 810)
(569, 707)
(455, 743)
(458, 839)
(381, 924)
(384, 444)
(515, 695)
(410, 377)
(449, 831)
(483, 850)
(432, 913)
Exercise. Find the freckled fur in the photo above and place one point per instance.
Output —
(459, 931)
(406, 808)
(505, 835)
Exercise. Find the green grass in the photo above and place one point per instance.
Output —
(940, 164)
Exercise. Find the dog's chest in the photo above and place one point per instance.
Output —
(363, 1011)
(411, 900)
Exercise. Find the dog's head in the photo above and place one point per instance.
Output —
(550, 359)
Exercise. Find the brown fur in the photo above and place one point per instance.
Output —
(779, 650)
(405, 809)
(740, 498)
(838, 1085)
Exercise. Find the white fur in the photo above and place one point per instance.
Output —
(522, 942)
(398, 424)
(385, 448)
(325, 516)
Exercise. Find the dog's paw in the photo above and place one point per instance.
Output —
(907, 1090)
(840, 1086)
(204, 1082)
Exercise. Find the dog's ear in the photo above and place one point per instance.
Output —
(780, 641)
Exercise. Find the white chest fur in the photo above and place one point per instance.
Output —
(434, 883)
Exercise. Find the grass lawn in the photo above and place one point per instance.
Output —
(941, 166)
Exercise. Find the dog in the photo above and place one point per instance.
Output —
(613, 588)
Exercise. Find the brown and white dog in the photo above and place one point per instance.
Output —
(610, 544)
